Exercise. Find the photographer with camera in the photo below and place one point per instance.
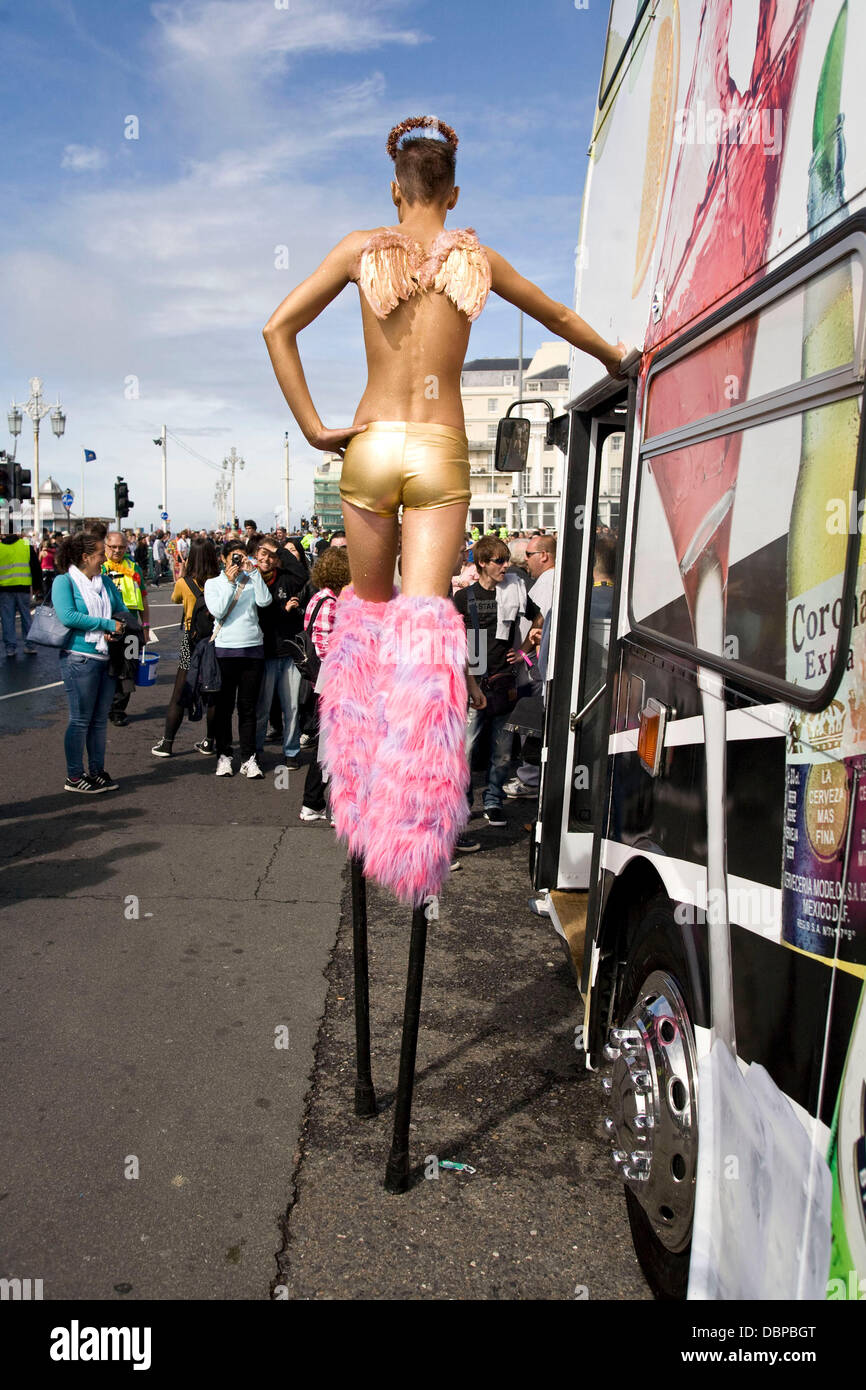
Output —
(234, 599)
(286, 578)
(91, 608)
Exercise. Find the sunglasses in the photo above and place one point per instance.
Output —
(506, 560)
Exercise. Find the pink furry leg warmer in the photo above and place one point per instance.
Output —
(349, 731)
(417, 804)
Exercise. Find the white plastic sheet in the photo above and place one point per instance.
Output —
(763, 1193)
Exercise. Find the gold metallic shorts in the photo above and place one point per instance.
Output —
(396, 461)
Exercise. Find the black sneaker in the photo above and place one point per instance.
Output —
(207, 747)
(119, 721)
(493, 815)
(466, 845)
(162, 749)
(102, 781)
(292, 764)
(83, 784)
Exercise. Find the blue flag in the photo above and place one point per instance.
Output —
(89, 456)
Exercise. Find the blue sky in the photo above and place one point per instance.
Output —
(136, 274)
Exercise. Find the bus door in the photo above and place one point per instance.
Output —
(574, 760)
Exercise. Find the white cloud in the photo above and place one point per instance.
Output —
(208, 32)
(83, 158)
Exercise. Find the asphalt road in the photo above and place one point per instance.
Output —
(177, 1084)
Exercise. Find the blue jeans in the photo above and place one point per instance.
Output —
(90, 688)
(10, 603)
(280, 671)
(501, 740)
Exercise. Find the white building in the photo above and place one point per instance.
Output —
(610, 484)
(488, 386)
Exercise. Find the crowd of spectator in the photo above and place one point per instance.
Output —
(255, 606)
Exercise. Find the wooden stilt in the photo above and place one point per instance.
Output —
(397, 1170)
(365, 1095)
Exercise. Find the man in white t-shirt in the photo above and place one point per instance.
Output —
(541, 562)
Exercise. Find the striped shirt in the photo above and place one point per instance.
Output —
(324, 623)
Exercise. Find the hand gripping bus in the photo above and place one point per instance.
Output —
(701, 838)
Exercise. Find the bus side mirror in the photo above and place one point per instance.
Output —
(512, 444)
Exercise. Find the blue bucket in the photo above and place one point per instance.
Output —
(146, 674)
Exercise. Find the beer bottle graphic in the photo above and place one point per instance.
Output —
(821, 747)
(822, 794)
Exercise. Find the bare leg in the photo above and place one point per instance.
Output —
(432, 538)
(372, 544)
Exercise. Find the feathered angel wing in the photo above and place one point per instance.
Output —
(385, 272)
(464, 274)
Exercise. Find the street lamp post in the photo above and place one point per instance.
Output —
(521, 509)
(37, 410)
(286, 483)
(161, 443)
(233, 462)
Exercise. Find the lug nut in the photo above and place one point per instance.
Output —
(609, 1127)
(633, 1175)
(611, 1054)
(606, 1085)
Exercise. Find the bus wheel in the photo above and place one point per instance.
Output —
(652, 1096)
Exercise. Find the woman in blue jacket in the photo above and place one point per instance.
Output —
(91, 607)
(234, 599)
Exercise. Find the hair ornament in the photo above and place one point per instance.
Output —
(419, 123)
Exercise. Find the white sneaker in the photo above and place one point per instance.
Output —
(251, 768)
(308, 814)
(516, 789)
(224, 766)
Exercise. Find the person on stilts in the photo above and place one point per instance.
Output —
(395, 688)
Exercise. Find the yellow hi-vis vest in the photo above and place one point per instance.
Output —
(15, 564)
(124, 578)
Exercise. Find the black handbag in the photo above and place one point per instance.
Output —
(501, 692)
(302, 648)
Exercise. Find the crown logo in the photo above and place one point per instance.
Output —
(823, 730)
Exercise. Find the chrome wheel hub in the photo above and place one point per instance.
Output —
(651, 1088)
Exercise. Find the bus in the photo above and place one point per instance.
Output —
(701, 833)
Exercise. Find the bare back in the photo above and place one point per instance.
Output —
(414, 360)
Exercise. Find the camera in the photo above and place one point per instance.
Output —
(238, 557)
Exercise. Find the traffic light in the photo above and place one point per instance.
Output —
(122, 504)
(5, 478)
(304, 523)
(21, 483)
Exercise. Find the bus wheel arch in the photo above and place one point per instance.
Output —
(632, 895)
